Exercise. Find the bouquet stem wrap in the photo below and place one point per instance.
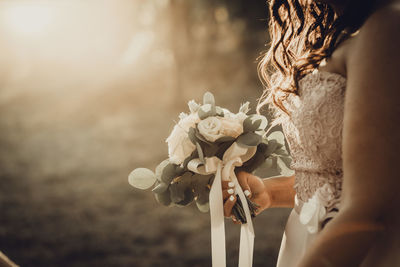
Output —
(224, 170)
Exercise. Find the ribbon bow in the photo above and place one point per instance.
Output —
(224, 170)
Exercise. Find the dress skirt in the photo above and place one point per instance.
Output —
(296, 239)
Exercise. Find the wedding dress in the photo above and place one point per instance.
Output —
(314, 135)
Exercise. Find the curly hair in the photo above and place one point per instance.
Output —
(303, 33)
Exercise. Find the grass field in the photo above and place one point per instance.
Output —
(64, 196)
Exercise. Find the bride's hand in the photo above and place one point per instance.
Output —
(252, 186)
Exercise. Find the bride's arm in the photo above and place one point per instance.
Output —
(281, 191)
(267, 193)
(371, 145)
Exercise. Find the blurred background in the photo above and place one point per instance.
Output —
(89, 90)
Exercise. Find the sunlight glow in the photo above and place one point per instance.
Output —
(27, 18)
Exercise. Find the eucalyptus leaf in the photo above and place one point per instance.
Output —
(287, 160)
(160, 188)
(192, 135)
(249, 139)
(206, 111)
(255, 122)
(200, 152)
(210, 150)
(219, 111)
(176, 193)
(257, 160)
(268, 168)
(177, 188)
(250, 125)
(208, 98)
(222, 149)
(192, 156)
(278, 136)
(205, 207)
(188, 197)
(272, 147)
(201, 137)
(160, 168)
(201, 186)
(225, 139)
(168, 173)
(285, 171)
(163, 198)
(281, 151)
(142, 178)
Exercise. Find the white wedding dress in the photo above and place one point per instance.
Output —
(314, 136)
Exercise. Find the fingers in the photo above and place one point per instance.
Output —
(227, 193)
(244, 183)
(228, 205)
(227, 189)
(227, 184)
(229, 196)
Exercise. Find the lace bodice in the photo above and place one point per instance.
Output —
(314, 133)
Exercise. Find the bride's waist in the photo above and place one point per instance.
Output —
(321, 167)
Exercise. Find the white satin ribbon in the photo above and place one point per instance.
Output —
(224, 170)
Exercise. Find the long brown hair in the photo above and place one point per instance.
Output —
(303, 33)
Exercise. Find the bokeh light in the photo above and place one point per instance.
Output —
(89, 90)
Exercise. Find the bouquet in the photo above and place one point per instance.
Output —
(205, 147)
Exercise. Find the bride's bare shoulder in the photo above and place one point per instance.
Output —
(375, 49)
(381, 29)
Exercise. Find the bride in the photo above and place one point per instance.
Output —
(332, 75)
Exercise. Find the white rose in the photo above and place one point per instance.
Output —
(179, 145)
(214, 128)
(231, 126)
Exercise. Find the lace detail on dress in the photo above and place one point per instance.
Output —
(314, 133)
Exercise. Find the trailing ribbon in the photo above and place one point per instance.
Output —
(224, 170)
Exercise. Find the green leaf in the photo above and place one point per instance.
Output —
(177, 194)
(225, 139)
(163, 198)
(272, 147)
(201, 137)
(268, 168)
(284, 169)
(188, 197)
(168, 173)
(201, 187)
(160, 168)
(222, 147)
(210, 150)
(206, 111)
(287, 160)
(249, 139)
(200, 152)
(192, 135)
(142, 178)
(192, 156)
(254, 122)
(281, 151)
(219, 111)
(205, 207)
(160, 188)
(208, 98)
(257, 160)
(250, 126)
(278, 136)
(178, 188)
